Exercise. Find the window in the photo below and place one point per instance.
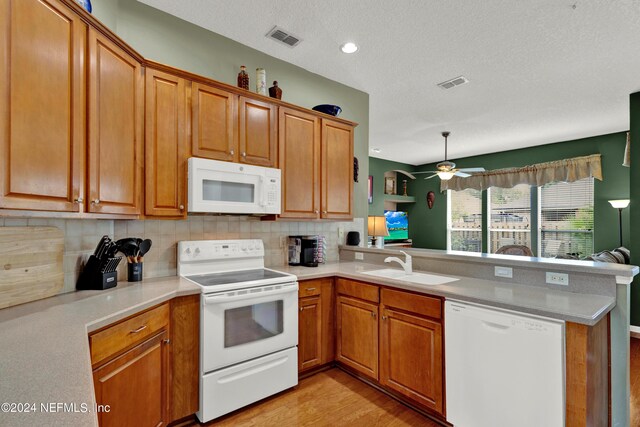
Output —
(465, 220)
(566, 218)
(510, 217)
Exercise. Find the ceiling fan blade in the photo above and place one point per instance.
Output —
(434, 175)
(416, 173)
(462, 174)
(405, 173)
(472, 169)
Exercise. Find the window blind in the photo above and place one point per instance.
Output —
(510, 220)
(465, 220)
(566, 218)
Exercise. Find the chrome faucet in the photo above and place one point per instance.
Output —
(407, 264)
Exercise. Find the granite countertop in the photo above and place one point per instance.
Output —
(581, 308)
(44, 350)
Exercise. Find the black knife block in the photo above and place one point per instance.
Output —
(99, 274)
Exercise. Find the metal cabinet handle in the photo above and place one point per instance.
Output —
(244, 154)
(181, 207)
(95, 202)
(373, 314)
(316, 211)
(301, 308)
(311, 289)
(78, 200)
(167, 341)
(135, 331)
(384, 317)
(232, 152)
(324, 212)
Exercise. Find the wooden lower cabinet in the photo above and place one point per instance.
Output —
(154, 380)
(357, 335)
(411, 357)
(316, 323)
(134, 386)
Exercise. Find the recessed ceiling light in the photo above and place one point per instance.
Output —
(376, 150)
(349, 47)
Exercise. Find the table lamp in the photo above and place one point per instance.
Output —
(377, 228)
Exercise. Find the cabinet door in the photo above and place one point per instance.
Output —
(42, 106)
(165, 144)
(258, 130)
(309, 332)
(213, 122)
(134, 385)
(116, 104)
(299, 151)
(411, 357)
(337, 170)
(357, 335)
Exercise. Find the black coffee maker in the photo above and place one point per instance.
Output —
(303, 250)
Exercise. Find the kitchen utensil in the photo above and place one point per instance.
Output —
(30, 264)
(144, 248)
(332, 110)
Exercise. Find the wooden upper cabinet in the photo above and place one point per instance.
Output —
(116, 104)
(42, 106)
(258, 132)
(299, 159)
(166, 144)
(213, 123)
(337, 170)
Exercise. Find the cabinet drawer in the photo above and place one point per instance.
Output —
(308, 288)
(122, 335)
(413, 303)
(358, 290)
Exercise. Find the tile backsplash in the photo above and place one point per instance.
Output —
(82, 235)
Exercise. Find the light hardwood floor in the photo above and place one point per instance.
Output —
(635, 381)
(331, 398)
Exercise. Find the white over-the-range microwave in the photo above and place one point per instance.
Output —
(233, 188)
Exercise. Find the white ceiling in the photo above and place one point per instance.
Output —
(540, 71)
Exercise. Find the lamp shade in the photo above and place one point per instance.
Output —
(377, 226)
(619, 204)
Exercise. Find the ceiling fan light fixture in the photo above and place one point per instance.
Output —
(445, 176)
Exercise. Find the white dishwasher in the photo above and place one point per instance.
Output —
(503, 368)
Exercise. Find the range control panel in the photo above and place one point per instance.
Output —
(212, 250)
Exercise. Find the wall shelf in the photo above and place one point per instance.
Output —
(399, 199)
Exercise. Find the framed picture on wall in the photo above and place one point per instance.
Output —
(370, 189)
(389, 185)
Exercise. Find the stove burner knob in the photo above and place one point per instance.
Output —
(197, 251)
(187, 251)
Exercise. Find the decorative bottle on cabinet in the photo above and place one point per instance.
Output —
(243, 78)
(261, 81)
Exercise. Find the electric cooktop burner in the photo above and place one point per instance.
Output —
(231, 277)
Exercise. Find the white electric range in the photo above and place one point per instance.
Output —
(248, 323)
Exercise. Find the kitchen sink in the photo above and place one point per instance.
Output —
(417, 278)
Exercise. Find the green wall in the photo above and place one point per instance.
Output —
(170, 40)
(377, 168)
(634, 206)
(427, 227)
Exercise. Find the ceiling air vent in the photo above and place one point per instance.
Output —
(457, 81)
(283, 36)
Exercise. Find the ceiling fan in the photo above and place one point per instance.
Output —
(447, 170)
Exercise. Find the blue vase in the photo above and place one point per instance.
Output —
(86, 4)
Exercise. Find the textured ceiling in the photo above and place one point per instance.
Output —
(540, 71)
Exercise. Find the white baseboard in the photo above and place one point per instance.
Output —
(635, 331)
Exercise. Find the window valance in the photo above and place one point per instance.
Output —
(567, 170)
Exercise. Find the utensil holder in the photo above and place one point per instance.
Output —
(134, 270)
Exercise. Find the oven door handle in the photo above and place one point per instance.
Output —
(228, 298)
